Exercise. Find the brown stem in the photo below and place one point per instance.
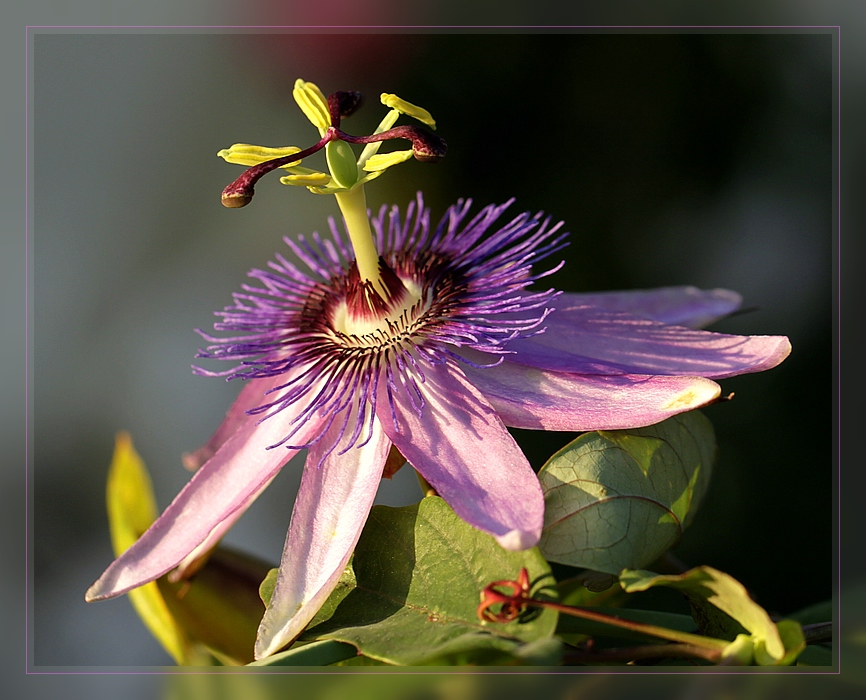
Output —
(818, 632)
(520, 597)
(650, 630)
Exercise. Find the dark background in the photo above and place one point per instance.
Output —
(673, 158)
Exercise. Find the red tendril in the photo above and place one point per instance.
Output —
(513, 605)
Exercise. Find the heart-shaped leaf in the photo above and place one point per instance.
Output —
(412, 591)
(619, 499)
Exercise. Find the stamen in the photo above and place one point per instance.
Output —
(426, 147)
(240, 192)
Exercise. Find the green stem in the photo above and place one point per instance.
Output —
(654, 651)
(353, 205)
(650, 630)
(425, 485)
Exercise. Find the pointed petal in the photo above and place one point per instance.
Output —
(462, 448)
(331, 508)
(252, 395)
(586, 340)
(193, 561)
(526, 397)
(221, 490)
(680, 306)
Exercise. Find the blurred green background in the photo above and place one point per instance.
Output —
(681, 158)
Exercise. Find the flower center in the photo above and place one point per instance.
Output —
(358, 325)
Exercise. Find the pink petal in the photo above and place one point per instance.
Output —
(679, 306)
(586, 340)
(193, 561)
(252, 395)
(460, 445)
(526, 397)
(221, 490)
(331, 508)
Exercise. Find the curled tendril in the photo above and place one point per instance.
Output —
(513, 605)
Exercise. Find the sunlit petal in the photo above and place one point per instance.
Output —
(461, 447)
(218, 492)
(586, 340)
(331, 508)
(526, 397)
(679, 306)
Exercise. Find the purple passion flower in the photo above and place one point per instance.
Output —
(437, 358)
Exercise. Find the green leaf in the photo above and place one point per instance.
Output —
(359, 660)
(619, 499)
(414, 586)
(573, 592)
(817, 612)
(483, 650)
(266, 587)
(815, 655)
(322, 653)
(710, 592)
(220, 605)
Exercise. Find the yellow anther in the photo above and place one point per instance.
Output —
(306, 178)
(407, 108)
(248, 154)
(313, 104)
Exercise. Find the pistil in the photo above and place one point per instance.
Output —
(377, 291)
(353, 205)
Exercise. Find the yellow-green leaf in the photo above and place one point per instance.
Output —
(793, 640)
(266, 587)
(740, 651)
(131, 510)
(705, 586)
